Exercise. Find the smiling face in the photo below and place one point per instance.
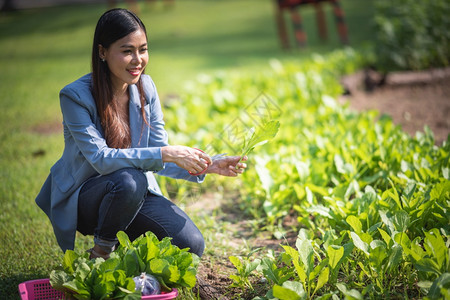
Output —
(126, 59)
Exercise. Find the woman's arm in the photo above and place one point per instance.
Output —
(190, 159)
(84, 131)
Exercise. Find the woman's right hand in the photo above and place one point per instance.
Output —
(190, 159)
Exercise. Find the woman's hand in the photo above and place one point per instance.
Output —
(190, 159)
(228, 166)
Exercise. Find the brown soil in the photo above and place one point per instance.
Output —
(215, 268)
(412, 99)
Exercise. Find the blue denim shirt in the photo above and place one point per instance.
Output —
(86, 153)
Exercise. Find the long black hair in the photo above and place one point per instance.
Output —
(112, 26)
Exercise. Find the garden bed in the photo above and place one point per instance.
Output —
(411, 99)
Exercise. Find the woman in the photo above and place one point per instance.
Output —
(114, 141)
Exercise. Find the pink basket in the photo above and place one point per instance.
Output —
(41, 289)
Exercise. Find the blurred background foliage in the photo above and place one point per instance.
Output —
(412, 35)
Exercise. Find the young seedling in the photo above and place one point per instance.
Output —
(259, 136)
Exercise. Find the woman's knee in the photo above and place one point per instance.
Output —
(195, 242)
(165, 219)
(131, 183)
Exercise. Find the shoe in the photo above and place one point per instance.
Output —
(95, 253)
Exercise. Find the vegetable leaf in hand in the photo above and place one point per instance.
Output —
(260, 136)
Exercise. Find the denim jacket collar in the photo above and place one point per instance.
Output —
(139, 130)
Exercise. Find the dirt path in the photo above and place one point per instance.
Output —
(412, 99)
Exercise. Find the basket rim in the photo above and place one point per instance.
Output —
(24, 290)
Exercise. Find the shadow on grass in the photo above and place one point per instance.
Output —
(9, 286)
(48, 20)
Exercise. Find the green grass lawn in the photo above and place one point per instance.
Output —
(44, 49)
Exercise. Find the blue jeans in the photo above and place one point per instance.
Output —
(121, 201)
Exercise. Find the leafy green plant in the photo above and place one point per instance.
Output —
(244, 268)
(306, 271)
(99, 279)
(83, 278)
(259, 136)
(432, 262)
(360, 185)
(412, 34)
(355, 177)
(276, 268)
(172, 266)
(290, 290)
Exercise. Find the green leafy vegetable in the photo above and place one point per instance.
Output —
(259, 136)
(84, 278)
(244, 268)
(374, 199)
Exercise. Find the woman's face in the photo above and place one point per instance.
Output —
(126, 59)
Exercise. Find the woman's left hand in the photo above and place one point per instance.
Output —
(228, 166)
